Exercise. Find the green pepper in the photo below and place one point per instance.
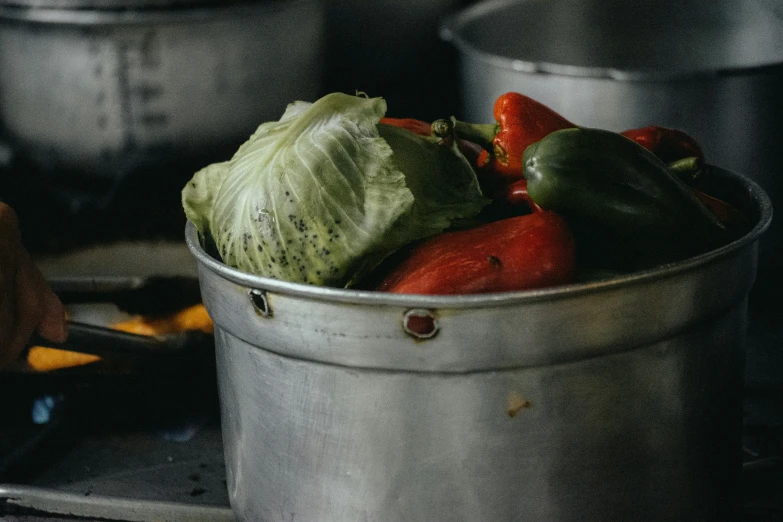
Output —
(626, 208)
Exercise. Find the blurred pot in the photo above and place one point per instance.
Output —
(615, 400)
(97, 93)
(713, 69)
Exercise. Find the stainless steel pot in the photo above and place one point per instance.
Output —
(99, 92)
(713, 69)
(616, 400)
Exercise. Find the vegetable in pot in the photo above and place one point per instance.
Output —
(325, 193)
(668, 144)
(420, 127)
(685, 157)
(519, 122)
(470, 150)
(626, 208)
(678, 149)
(517, 253)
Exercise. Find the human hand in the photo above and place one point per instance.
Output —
(27, 303)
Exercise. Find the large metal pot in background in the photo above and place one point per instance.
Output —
(713, 69)
(615, 400)
(107, 87)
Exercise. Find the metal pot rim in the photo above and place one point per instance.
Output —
(199, 12)
(368, 297)
(450, 32)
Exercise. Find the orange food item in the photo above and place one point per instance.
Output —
(43, 359)
(191, 318)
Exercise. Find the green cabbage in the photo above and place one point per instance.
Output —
(325, 193)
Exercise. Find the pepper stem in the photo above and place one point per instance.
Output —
(442, 128)
(480, 133)
(687, 169)
(686, 164)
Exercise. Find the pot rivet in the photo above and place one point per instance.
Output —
(260, 302)
(420, 323)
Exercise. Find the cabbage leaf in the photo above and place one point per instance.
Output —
(325, 193)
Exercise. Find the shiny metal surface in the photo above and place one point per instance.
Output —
(615, 400)
(99, 92)
(50, 503)
(112, 4)
(713, 69)
(630, 435)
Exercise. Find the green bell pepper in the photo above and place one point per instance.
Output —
(626, 208)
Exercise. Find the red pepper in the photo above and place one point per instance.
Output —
(469, 149)
(422, 128)
(519, 122)
(516, 194)
(517, 253)
(668, 144)
(685, 157)
(727, 214)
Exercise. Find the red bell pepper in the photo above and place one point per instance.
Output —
(470, 150)
(516, 253)
(519, 122)
(422, 128)
(668, 144)
(727, 214)
(516, 195)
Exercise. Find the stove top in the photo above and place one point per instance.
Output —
(136, 447)
(39, 505)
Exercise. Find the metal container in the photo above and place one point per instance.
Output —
(97, 93)
(713, 69)
(614, 400)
